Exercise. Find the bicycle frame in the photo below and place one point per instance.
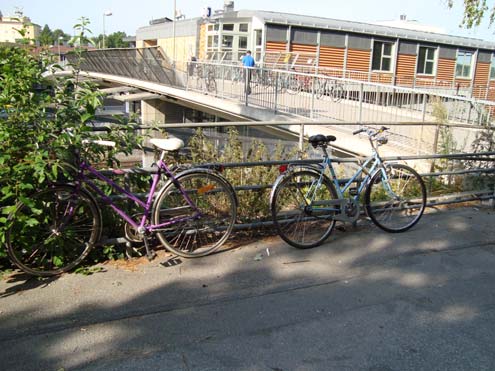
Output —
(146, 206)
(376, 164)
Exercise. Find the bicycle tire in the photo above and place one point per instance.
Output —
(293, 86)
(44, 240)
(211, 84)
(320, 89)
(195, 237)
(337, 92)
(294, 219)
(390, 214)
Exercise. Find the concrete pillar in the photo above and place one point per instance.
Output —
(153, 112)
(158, 112)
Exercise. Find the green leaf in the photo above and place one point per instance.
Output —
(31, 222)
(85, 117)
(57, 261)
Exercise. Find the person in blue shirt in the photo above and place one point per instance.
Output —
(248, 61)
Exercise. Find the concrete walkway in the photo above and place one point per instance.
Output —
(366, 300)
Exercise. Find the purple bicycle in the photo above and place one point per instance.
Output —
(192, 215)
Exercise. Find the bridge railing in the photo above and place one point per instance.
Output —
(147, 64)
(320, 96)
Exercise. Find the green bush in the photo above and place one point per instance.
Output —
(41, 122)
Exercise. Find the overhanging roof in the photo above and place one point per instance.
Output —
(360, 27)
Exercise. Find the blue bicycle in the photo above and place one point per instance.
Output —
(305, 203)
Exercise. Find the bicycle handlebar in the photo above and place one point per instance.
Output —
(370, 132)
(358, 131)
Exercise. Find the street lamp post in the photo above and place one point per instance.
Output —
(108, 13)
(173, 29)
(60, 38)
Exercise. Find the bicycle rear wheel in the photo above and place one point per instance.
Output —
(396, 202)
(53, 231)
(298, 209)
(199, 227)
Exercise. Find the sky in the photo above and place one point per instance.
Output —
(129, 15)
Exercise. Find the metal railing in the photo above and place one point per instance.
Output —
(147, 64)
(336, 100)
(361, 101)
(463, 177)
(450, 178)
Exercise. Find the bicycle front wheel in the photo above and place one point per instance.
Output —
(211, 85)
(337, 92)
(198, 217)
(395, 198)
(302, 210)
(53, 231)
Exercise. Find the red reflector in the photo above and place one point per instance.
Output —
(282, 168)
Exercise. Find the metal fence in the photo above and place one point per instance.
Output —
(450, 178)
(321, 95)
(317, 96)
(147, 64)
(460, 178)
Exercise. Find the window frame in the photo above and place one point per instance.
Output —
(239, 47)
(382, 56)
(243, 24)
(491, 76)
(463, 53)
(432, 60)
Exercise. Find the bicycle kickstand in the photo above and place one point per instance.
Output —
(150, 253)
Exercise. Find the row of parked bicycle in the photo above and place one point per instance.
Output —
(193, 212)
(281, 81)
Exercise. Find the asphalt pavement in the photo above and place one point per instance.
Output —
(365, 300)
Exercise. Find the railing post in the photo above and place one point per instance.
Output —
(276, 91)
(246, 84)
(223, 81)
(361, 88)
(311, 113)
(423, 117)
(189, 67)
(301, 139)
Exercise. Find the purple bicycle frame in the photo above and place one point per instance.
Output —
(84, 166)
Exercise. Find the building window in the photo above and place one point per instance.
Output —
(426, 61)
(492, 68)
(243, 27)
(213, 27)
(382, 56)
(242, 42)
(463, 64)
(228, 27)
(212, 41)
(227, 41)
(258, 36)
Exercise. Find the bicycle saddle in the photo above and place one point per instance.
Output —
(170, 144)
(321, 140)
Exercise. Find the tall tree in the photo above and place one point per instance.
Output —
(60, 33)
(475, 11)
(46, 36)
(116, 40)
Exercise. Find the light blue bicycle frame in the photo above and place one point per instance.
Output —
(376, 163)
